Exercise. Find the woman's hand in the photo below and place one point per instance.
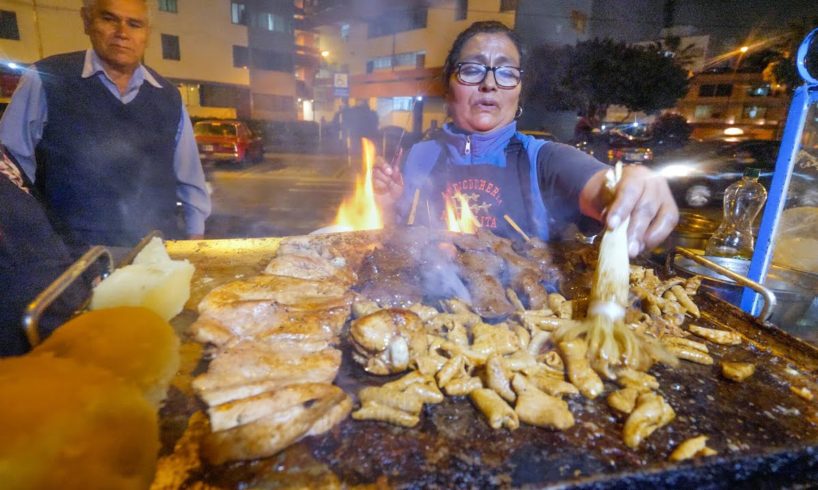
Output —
(641, 194)
(387, 182)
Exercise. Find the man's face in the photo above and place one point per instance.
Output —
(119, 31)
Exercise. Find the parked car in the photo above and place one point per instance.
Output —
(228, 141)
(699, 172)
(539, 134)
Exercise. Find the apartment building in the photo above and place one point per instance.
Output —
(390, 54)
(727, 98)
(227, 57)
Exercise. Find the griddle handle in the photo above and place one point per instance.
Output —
(769, 296)
(35, 309)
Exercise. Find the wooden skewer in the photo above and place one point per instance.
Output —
(516, 227)
(428, 213)
(414, 208)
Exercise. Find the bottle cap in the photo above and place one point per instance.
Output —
(752, 173)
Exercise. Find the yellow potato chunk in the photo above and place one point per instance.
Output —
(71, 426)
(153, 281)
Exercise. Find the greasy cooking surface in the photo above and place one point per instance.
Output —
(758, 421)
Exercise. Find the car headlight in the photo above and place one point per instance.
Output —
(676, 170)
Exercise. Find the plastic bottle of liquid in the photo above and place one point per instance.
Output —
(743, 201)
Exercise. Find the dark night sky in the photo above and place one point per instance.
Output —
(727, 21)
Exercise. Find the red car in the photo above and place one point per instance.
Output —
(228, 141)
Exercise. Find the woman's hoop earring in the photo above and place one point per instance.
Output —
(519, 112)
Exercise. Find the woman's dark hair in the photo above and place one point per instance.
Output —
(481, 27)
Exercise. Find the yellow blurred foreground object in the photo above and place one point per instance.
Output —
(153, 281)
(133, 343)
(71, 426)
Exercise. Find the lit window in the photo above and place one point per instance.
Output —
(754, 112)
(238, 13)
(8, 25)
(168, 6)
(703, 112)
(345, 32)
(506, 5)
(461, 9)
(402, 103)
(170, 47)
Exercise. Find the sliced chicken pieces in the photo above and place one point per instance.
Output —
(288, 291)
(249, 368)
(311, 267)
(387, 340)
(540, 409)
(652, 412)
(270, 322)
(270, 434)
(246, 410)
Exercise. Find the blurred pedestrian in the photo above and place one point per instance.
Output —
(32, 255)
(107, 141)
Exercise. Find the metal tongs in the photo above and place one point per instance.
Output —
(35, 309)
(769, 296)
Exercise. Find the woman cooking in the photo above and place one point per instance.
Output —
(481, 156)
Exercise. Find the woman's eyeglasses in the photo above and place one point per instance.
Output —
(470, 73)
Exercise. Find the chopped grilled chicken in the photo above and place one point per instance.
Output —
(724, 337)
(406, 402)
(539, 409)
(579, 369)
(249, 368)
(689, 354)
(623, 400)
(642, 382)
(495, 409)
(498, 378)
(310, 267)
(493, 339)
(691, 448)
(388, 340)
(549, 381)
(374, 411)
(268, 435)
(737, 371)
(652, 412)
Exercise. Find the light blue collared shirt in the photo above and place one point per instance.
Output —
(21, 130)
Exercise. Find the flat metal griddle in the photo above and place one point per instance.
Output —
(766, 436)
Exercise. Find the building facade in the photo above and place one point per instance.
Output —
(734, 99)
(228, 58)
(389, 55)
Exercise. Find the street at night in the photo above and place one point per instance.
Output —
(286, 194)
(409, 244)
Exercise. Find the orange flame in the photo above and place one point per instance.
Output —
(361, 211)
(467, 222)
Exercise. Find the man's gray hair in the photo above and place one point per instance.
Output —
(88, 5)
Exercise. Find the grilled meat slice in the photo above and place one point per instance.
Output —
(248, 368)
(482, 272)
(270, 322)
(268, 435)
(311, 267)
(289, 291)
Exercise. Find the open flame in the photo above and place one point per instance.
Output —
(361, 211)
(466, 222)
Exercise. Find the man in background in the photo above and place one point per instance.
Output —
(105, 140)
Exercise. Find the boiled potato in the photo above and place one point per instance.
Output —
(153, 281)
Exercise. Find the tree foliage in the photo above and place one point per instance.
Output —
(781, 69)
(592, 75)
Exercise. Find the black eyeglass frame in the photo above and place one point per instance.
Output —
(487, 68)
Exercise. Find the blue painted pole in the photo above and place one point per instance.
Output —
(802, 99)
